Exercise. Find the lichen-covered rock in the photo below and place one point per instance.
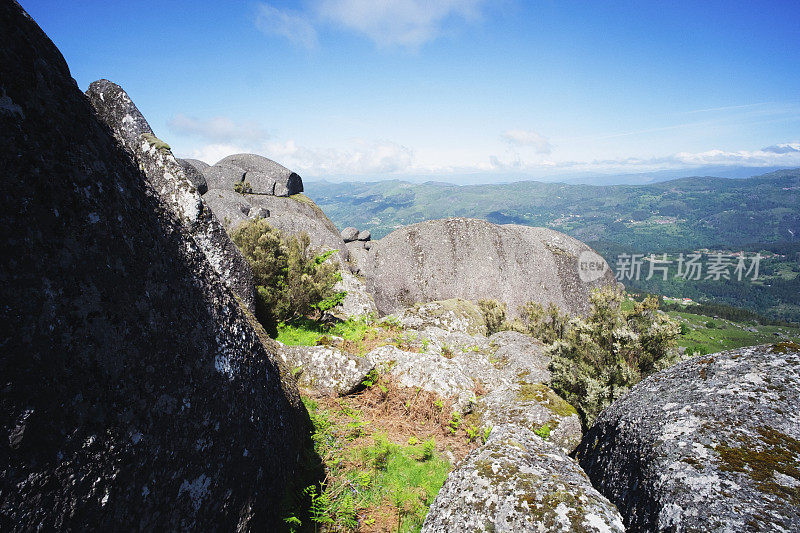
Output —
(349, 234)
(518, 482)
(521, 357)
(710, 444)
(168, 178)
(430, 372)
(136, 392)
(357, 302)
(535, 407)
(473, 260)
(327, 369)
(264, 176)
(193, 170)
(454, 314)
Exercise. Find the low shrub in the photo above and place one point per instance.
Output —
(598, 358)
(292, 280)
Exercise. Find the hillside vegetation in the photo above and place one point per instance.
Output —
(758, 214)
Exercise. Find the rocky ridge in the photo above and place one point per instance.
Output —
(137, 392)
(169, 178)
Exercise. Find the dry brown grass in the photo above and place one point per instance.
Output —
(401, 413)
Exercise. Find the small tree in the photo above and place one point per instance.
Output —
(494, 314)
(291, 279)
(600, 357)
(548, 324)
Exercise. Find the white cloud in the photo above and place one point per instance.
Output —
(360, 158)
(211, 153)
(409, 23)
(404, 23)
(527, 138)
(787, 155)
(786, 148)
(292, 25)
(217, 129)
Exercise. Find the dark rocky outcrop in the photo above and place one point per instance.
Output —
(711, 444)
(473, 259)
(518, 482)
(261, 175)
(169, 179)
(136, 393)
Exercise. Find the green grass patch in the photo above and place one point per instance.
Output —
(368, 478)
(305, 332)
(699, 337)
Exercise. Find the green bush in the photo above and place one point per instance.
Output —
(242, 187)
(548, 324)
(494, 314)
(598, 358)
(292, 280)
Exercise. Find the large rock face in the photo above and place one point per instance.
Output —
(518, 482)
(711, 444)
(136, 395)
(473, 259)
(168, 177)
(261, 175)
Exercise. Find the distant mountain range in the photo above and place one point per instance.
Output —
(572, 177)
(669, 215)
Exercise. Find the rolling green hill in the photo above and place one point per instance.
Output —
(761, 213)
(661, 217)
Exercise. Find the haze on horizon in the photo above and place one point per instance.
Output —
(452, 90)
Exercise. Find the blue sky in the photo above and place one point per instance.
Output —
(502, 89)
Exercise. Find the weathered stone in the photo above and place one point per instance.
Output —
(533, 406)
(230, 208)
(364, 235)
(136, 392)
(521, 357)
(357, 252)
(193, 170)
(198, 165)
(452, 315)
(358, 301)
(710, 444)
(326, 369)
(259, 212)
(349, 234)
(223, 177)
(265, 184)
(474, 259)
(518, 482)
(168, 178)
(430, 372)
(265, 175)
